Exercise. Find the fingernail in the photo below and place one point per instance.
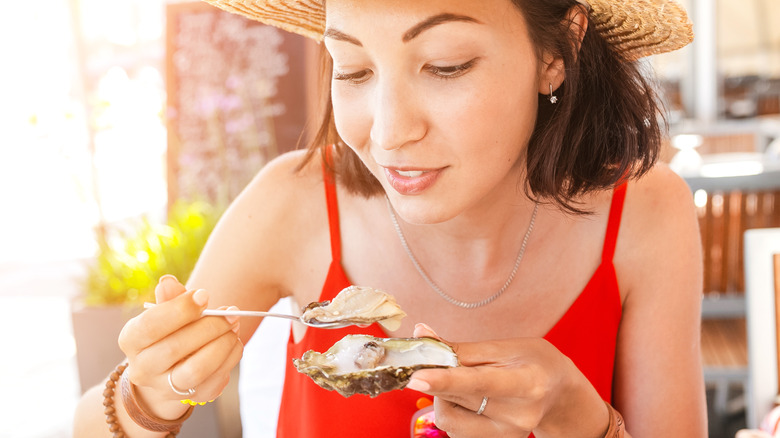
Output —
(426, 327)
(418, 385)
(200, 297)
(236, 328)
(232, 318)
(167, 277)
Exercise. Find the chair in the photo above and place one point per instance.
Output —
(762, 291)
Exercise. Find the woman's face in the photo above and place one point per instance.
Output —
(437, 97)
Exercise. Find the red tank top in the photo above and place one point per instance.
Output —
(586, 334)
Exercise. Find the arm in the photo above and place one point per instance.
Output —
(658, 382)
(530, 385)
(172, 338)
(248, 261)
(269, 244)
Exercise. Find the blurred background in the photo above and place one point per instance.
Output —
(127, 126)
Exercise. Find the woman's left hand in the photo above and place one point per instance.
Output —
(529, 386)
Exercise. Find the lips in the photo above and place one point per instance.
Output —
(411, 181)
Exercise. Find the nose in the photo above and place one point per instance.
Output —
(398, 117)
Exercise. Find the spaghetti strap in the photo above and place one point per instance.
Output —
(333, 210)
(613, 224)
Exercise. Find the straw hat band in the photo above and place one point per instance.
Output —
(635, 28)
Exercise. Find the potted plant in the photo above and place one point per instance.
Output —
(123, 275)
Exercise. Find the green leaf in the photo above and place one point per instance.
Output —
(132, 257)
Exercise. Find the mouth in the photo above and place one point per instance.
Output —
(411, 181)
(410, 173)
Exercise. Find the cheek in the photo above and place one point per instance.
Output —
(502, 114)
(352, 123)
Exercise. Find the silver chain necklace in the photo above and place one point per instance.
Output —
(435, 287)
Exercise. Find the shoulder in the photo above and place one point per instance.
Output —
(285, 187)
(288, 193)
(288, 172)
(275, 227)
(659, 206)
(662, 190)
(659, 230)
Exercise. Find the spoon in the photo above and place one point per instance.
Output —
(312, 323)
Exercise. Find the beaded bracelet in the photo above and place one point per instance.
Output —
(136, 412)
(617, 426)
(108, 402)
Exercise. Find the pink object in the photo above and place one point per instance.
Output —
(771, 423)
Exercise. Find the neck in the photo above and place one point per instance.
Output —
(485, 259)
(487, 223)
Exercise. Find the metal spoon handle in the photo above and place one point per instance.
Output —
(216, 312)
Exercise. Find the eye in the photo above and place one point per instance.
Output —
(451, 71)
(355, 78)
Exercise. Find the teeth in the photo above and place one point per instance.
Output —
(410, 173)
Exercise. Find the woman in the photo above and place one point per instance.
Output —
(493, 167)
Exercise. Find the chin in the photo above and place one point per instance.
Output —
(421, 210)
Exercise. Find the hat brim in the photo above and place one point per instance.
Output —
(635, 28)
(639, 28)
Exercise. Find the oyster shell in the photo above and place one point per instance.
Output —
(357, 305)
(362, 364)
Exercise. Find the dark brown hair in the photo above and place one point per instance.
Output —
(605, 128)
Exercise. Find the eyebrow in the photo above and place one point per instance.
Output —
(435, 21)
(410, 34)
(341, 36)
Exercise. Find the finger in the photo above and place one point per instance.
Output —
(208, 367)
(164, 354)
(424, 331)
(439, 383)
(214, 385)
(460, 384)
(160, 321)
(462, 422)
(498, 418)
(485, 353)
(168, 288)
(476, 353)
(207, 390)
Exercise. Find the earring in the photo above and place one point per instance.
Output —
(553, 98)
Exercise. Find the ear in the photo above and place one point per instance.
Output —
(553, 70)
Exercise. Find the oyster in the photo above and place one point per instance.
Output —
(362, 364)
(357, 305)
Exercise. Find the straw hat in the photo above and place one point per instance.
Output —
(635, 28)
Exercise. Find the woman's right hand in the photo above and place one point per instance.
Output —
(173, 339)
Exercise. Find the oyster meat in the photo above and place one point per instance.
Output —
(359, 306)
(362, 364)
